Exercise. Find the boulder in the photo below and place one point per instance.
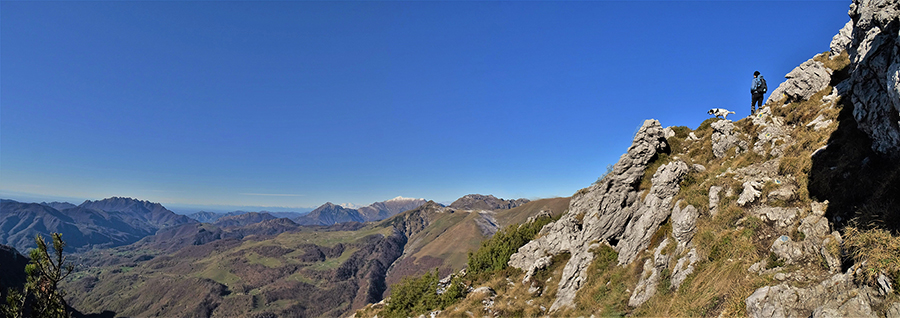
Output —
(783, 193)
(751, 193)
(814, 227)
(684, 224)
(724, 138)
(805, 80)
(781, 217)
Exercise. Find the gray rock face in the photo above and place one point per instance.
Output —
(653, 212)
(772, 132)
(684, 224)
(873, 43)
(805, 80)
(841, 40)
(684, 267)
(650, 277)
(724, 138)
(604, 211)
(837, 296)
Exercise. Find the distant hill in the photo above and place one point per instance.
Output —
(207, 217)
(441, 237)
(485, 202)
(243, 219)
(382, 210)
(59, 205)
(152, 213)
(330, 213)
(211, 217)
(103, 223)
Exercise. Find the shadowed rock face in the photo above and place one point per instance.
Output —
(872, 41)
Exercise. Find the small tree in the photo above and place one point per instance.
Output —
(41, 289)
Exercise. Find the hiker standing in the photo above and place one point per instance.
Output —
(757, 90)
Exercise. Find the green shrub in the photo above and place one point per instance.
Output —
(494, 253)
(418, 295)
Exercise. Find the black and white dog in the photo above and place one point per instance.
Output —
(719, 112)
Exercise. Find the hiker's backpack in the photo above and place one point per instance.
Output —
(762, 85)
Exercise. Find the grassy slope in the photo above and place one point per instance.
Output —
(451, 236)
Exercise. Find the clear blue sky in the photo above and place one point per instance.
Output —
(294, 104)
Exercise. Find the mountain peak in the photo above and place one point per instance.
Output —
(401, 198)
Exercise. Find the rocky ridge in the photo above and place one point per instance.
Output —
(610, 211)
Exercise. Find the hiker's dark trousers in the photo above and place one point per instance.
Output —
(757, 100)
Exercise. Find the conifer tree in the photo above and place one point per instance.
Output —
(42, 287)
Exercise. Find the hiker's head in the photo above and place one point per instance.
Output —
(755, 74)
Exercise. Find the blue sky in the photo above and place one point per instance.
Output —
(292, 104)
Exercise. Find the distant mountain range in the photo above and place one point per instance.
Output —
(278, 268)
(212, 217)
(120, 221)
(330, 213)
(104, 223)
(485, 202)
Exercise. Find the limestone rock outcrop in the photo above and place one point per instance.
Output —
(837, 296)
(724, 138)
(652, 213)
(651, 276)
(803, 81)
(611, 210)
(872, 40)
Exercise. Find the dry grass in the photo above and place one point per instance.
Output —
(878, 249)
(605, 293)
(512, 299)
(836, 62)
